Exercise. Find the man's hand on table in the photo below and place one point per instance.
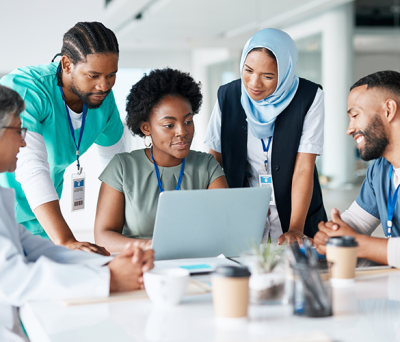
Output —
(335, 227)
(127, 268)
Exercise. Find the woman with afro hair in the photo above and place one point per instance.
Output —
(160, 109)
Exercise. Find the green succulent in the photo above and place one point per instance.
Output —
(267, 256)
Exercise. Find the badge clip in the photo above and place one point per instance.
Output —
(78, 191)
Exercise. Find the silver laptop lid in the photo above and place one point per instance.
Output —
(206, 223)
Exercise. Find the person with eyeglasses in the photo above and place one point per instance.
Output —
(17, 134)
(20, 130)
(69, 107)
(33, 268)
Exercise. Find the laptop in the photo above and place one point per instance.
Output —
(207, 223)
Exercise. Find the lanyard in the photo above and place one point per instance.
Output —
(266, 149)
(72, 130)
(391, 203)
(158, 174)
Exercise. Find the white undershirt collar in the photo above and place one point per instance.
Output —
(76, 118)
(396, 177)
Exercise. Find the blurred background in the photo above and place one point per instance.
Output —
(339, 41)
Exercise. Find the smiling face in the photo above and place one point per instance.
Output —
(259, 75)
(366, 109)
(10, 143)
(93, 79)
(171, 128)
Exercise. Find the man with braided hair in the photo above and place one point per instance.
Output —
(69, 107)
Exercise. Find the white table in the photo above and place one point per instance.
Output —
(368, 311)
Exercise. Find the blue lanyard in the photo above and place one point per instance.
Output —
(266, 149)
(72, 130)
(158, 174)
(391, 203)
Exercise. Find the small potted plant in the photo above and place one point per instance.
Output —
(267, 281)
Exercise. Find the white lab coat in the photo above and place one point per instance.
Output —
(32, 268)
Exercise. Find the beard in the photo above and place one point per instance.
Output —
(85, 96)
(375, 140)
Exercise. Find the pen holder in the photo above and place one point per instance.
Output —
(312, 297)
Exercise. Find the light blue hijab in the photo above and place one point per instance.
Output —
(261, 115)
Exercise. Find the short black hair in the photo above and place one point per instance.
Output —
(86, 38)
(388, 80)
(152, 88)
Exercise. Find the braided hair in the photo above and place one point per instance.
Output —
(86, 38)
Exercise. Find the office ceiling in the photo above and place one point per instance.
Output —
(186, 24)
(31, 31)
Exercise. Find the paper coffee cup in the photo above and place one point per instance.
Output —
(341, 251)
(230, 291)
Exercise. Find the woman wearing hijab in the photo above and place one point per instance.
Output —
(266, 129)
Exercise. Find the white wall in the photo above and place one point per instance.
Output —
(201, 59)
(336, 27)
(32, 31)
(176, 59)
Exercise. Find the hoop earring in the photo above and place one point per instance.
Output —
(144, 140)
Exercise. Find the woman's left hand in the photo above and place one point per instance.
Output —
(291, 236)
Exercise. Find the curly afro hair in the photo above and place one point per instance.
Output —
(152, 88)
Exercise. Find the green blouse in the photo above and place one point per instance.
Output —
(133, 174)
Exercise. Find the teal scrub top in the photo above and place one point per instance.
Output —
(46, 115)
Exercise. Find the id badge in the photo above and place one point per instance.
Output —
(78, 192)
(265, 181)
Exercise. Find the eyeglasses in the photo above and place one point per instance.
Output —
(22, 129)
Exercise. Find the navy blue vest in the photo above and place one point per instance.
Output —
(287, 134)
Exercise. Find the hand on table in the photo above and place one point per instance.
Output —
(335, 227)
(291, 236)
(86, 247)
(127, 268)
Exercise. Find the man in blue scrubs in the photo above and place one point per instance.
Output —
(69, 107)
(374, 112)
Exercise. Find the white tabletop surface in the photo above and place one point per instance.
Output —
(367, 311)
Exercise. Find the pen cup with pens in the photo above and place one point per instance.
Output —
(311, 296)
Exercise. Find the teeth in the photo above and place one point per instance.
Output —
(359, 139)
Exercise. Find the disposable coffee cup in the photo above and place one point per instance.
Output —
(341, 251)
(230, 291)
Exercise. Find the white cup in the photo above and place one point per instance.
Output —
(166, 287)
